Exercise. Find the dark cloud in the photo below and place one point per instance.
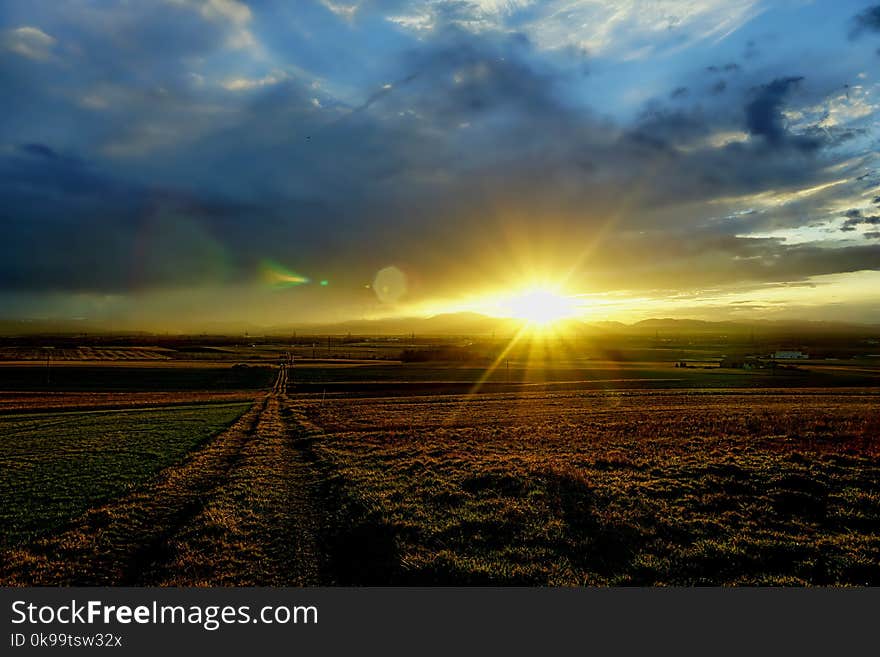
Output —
(464, 77)
(855, 218)
(730, 67)
(40, 150)
(450, 155)
(764, 116)
(866, 21)
(705, 260)
(751, 50)
(72, 226)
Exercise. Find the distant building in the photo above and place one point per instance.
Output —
(789, 355)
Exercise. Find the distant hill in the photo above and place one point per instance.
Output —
(463, 324)
(445, 324)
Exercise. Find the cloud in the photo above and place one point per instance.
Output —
(631, 29)
(233, 13)
(40, 150)
(247, 84)
(730, 67)
(29, 42)
(866, 21)
(465, 155)
(764, 117)
(855, 218)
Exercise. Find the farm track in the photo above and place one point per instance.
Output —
(270, 494)
(239, 510)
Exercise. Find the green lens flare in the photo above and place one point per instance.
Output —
(280, 277)
(325, 283)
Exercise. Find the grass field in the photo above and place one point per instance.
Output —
(696, 487)
(455, 379)
(57, 465)
(39, 402)
(138, 377)
(601, 473)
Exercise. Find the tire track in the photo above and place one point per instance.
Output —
(112, 544)
(260, 528)
(241, 510)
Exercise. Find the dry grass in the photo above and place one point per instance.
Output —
(626, 487)
(768, 487)
(259, 527)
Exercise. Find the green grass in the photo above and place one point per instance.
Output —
(56, 465)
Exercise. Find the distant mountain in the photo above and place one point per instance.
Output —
(610, 326)
(444, 324)
(461, 324)
(669, 322)
(476, 324)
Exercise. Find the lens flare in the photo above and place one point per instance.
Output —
(390, 284)
(279, 277)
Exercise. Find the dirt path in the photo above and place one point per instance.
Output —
(240, 510)
(260, 528)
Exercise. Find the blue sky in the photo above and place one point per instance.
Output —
(167, 163)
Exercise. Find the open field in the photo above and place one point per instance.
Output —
(57, 465)
(556, 375)
(37, 402)
(83, 353)
(133, 377)
(600, 472)
(696, 487)
(235, 509)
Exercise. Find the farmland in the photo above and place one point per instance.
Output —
(34, 402)
(696, 487)
(563, 471)
(57, 465)
(236, 504)
(128, 377)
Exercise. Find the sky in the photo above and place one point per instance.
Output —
(175, 164)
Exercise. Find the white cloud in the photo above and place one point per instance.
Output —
(846, 106)
(624, 29)
(94, 101)
(29, 42)
(231, 10)
(718, 139)
(234, 13)
(634, 29)
(246, 84)
(344, 11)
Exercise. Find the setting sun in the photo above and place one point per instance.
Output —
(539, 306)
